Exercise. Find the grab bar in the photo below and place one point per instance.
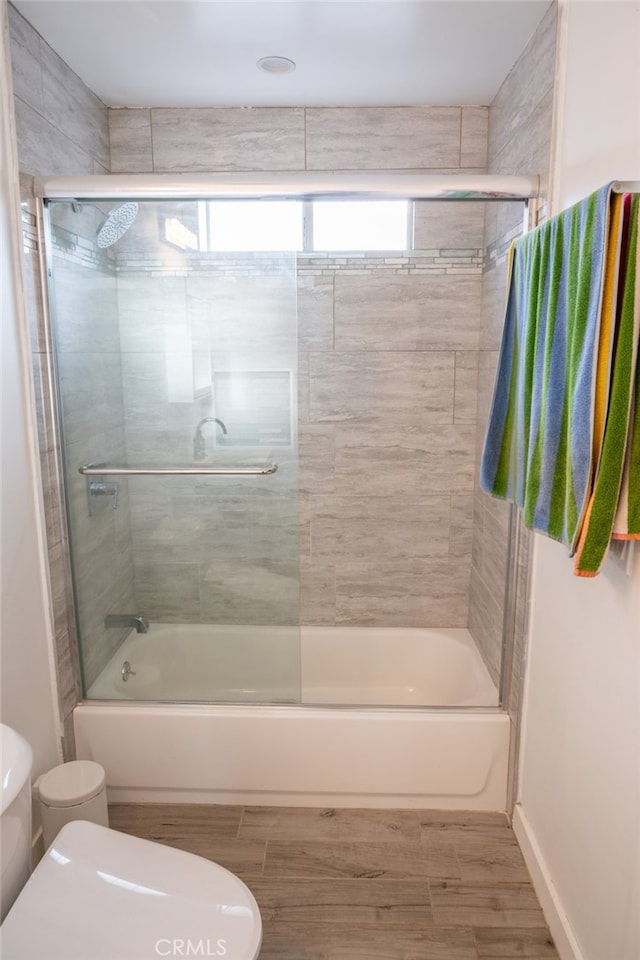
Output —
(91, 470)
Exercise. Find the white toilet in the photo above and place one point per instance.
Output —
(102, 895)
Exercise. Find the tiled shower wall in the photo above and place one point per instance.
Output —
(387, 423)
(61, 125)
(387, 355)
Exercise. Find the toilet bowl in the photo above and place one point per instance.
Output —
(103, 895)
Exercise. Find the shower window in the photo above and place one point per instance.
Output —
(247, 225)
(361, 225)
(324, 226)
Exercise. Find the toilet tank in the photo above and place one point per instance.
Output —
(15, 816)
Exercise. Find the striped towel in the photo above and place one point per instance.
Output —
(542, 443)
(614, 507)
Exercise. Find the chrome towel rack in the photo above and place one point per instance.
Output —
(95, 470)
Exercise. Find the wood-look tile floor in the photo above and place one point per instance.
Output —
(341, 884)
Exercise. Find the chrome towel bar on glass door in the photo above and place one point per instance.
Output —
(91, 470)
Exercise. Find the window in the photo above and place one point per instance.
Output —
(360, 225)
(329, 226)
(250, 225)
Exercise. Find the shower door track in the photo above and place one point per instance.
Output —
(290, 185)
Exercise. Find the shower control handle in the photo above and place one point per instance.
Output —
(105, 488)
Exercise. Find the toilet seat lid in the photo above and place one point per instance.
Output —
(105, 895)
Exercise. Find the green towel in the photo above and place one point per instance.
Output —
(540, 449)
(614, 508)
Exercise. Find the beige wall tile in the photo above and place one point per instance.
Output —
(487, 367)
(42, 148)
(402, 593)
(250, 591)
(407, 313)
(466, 387)
(91, 392)
(377, 461)
(227, 138)
(150, 311)
(359, 528)
(317, 458)
(530, 154)
(130, 140)
(250, 322)
(315, 313)
(526, 85)
(494, 290)
(98, 642)
(72, 107)
(381, 387)
(26, 63)
(382, 138)
(61, 125)
(441, 224)
(318, 591)
(86, 309)
(461, 527)
(303, 387)
(168, 591)
(485, 625)
(474, 136)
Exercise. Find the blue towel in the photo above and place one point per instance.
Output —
(539, 450)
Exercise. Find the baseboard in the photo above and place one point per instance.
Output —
(558, 921)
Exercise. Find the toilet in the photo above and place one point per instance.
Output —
(104, 895)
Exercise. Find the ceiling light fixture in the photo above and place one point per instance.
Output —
(276, 65)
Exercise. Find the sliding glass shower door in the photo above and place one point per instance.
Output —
(175, 341)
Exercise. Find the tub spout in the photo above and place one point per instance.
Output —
(137, 620)
(198, 439)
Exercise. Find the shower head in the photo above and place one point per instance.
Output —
(116, 224)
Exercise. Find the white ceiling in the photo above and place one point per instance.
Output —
(356, 53)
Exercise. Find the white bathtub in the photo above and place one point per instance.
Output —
(447, 757)
(361, 666)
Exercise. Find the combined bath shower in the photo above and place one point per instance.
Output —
(115, 225)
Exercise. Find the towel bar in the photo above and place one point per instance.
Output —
(93, 470)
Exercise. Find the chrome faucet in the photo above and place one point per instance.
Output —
(137, 620)
(198, 439)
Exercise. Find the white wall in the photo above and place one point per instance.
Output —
(580, 768)
(28, 695)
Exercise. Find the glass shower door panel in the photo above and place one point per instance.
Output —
(202, 374)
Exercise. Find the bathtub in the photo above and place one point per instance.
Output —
(366, 717)
(371, 666)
